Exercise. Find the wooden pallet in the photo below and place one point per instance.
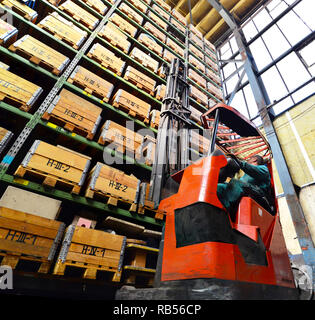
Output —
(97, 5)
(92, 251)
(26, 237)
(115, 37)
(175, 47)
(132, 14)
(18, 91)
(155, 31)
(160, 91)
(106, 58)
(54, 166)
(161, 12)
(114, 186)
(155, 118)
(123, 24)
(74, 113)
(151, 44)
(199, 96)
(144, 59)
(132, 105)
(63, 30)
(178, 16)
(157, 20)
(79, 14)
(164, 5)
(21, 9)
(123, 139)
(40, 54)
(139, 5)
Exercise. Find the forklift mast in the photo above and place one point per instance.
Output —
(172, 152)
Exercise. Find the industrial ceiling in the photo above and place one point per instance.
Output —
(207, 19)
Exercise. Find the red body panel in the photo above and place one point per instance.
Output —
(218, 259)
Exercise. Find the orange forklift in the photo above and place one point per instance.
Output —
(207, 252)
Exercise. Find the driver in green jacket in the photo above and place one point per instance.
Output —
(256, 182)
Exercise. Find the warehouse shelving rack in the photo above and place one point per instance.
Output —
(33, 121)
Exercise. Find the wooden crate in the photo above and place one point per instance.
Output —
(113, 35)
(215, 90)
(132, 105)
(211, 54)
(160, 91)
(91, 83)
(74, 114)
(145, 205)
(141, 80)
(193, 75)
(139, 5)
(211, 64)
(179, 50)
(97, 5)
(123, 24)
(92, 251)
(196, 63)
(213, 76)
(198, 142)
(155, 118)
(8, 33)
(40, 54)
(178, 16)
(79, 14)
(5, 137)
(157, 20)
(146, 154)
(55, 166)
(196, 51)
(144, 59)
(195, 115)
(106, 58)
(132, 14)
(114, 187)
(177, 25)
(168, 56)
(196, 40)
(164, 5)
(211, 102)
(155, 31)
(198, 95)
(209, 44)
(18, 91)
(21, 9)
(161, 12)
(124, 139)
(24, 236)
(63, 30)
(150, 43)
(196, 32)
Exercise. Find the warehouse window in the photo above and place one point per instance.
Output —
(276, 37)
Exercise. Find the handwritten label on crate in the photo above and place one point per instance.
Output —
(93, 251)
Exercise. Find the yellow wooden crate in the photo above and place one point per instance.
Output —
(21, 9)
(155, 118)
(141, 80)
(24, 236)
(91, 83)
(139, 5)
(215, 90)
(196, 32)
(63, 29)
(161, 12)
(132, 14)
(40, 54)
(74, 114)
(198, 95)
(121, 137)
(92, 251)
(164, 5)
(196, 51)
(5, 137)
(150, 43)
(98, 5)
(213, 76)
(160, 91)
(195, 115)
(118, 188)
(157, 20)
(112, 34)
(178, 16)
(196, 63)
(177, 25)
(168, 56)
(147, 151)
(8, 33)
(144, 59)
(18, 91)
(55, 166)
(196, 39)
(106, 58)
(193, 75)
(123, 24)
(79, 14)
(179, 50)
(155, 31)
